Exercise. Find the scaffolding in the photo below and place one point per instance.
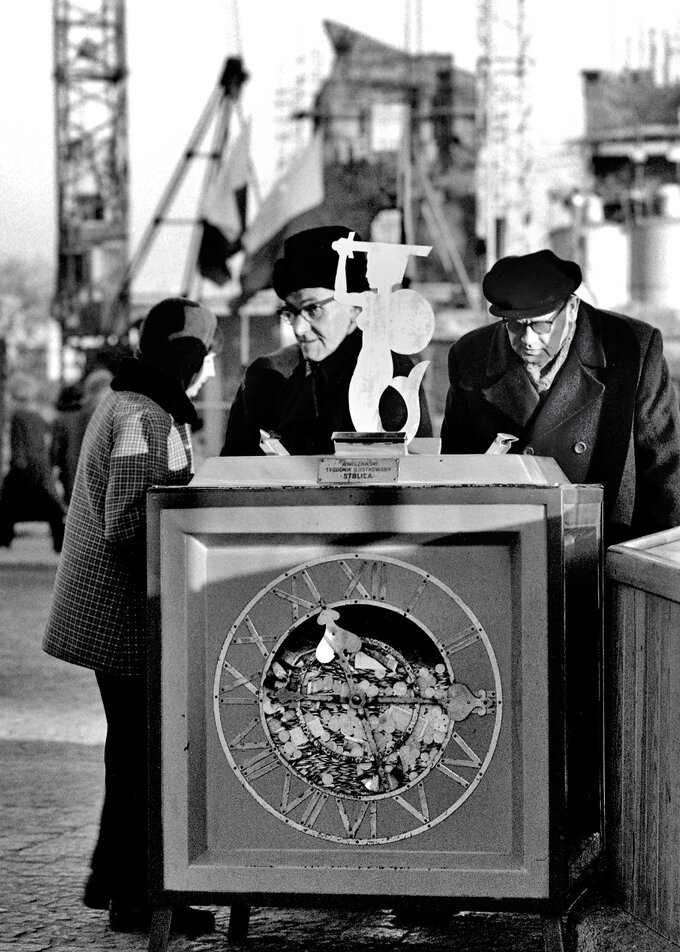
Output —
(90, 75)
(293, 99)
(504, 176)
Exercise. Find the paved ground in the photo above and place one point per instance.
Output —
(51, 776)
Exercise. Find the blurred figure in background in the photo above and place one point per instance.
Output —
(67, 437)
(75, 406)
(29, 493)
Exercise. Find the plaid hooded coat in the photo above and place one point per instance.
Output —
(98, 613)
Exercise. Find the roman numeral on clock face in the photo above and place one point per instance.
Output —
(422, 814)
(297, 601)
(240, 679)
(353, 817)
(259, 765)
(471, 760)
(240, 743)
(314, 801)
(462, 639)
(252, 638)
(373, 573)
(241, 690)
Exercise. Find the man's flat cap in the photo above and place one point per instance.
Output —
(526, 286)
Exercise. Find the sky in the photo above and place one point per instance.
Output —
(176, 49)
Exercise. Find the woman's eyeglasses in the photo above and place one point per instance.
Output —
(311, 312)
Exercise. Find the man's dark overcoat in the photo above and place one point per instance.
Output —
(610, 417)
(304, 402)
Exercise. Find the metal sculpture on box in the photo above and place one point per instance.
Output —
(401, 321)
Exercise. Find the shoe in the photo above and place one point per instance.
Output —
(96, 894)
(124, 918)
(192, 922)
(185, 919)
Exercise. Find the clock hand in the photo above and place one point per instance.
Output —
(284, 695)
(363, 717)
(406, 699)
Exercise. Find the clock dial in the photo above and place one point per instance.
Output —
(358, 699)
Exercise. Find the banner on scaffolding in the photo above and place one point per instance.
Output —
(224, 211)
(283, 212)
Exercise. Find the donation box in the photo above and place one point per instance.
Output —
(374, 678)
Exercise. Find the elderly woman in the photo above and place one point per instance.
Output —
(300, 393)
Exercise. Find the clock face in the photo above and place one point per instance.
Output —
(358, 699)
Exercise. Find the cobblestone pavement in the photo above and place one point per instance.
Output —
(51, 779)
(50, 798)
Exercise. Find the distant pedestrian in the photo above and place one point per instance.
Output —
(75, 406)
(67, 435)
(29, 493)
(139, 436)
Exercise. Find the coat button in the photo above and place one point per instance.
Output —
(528, 451)
(580, 447)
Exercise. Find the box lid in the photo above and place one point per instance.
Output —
(464, 470)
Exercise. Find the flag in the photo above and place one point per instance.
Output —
(282, 213)
(224, 209)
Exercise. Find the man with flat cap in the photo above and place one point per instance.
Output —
(587, 387)
(300, 393)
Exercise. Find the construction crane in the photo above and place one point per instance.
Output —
(213, 122)
(90, 74)
(504, 170)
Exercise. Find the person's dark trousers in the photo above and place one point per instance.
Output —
(119, 860)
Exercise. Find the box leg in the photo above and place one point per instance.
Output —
(553, 934)
(159, 933)
(239, 917)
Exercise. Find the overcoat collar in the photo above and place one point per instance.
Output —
(575, 386)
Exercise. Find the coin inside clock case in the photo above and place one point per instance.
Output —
(371, 723)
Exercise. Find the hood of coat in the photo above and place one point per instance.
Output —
(139, 377)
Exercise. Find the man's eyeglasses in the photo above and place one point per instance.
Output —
(311, 312)
(538, 327)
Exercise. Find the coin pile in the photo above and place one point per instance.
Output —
(364, 746)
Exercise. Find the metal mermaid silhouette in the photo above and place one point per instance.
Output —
(401, 321)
